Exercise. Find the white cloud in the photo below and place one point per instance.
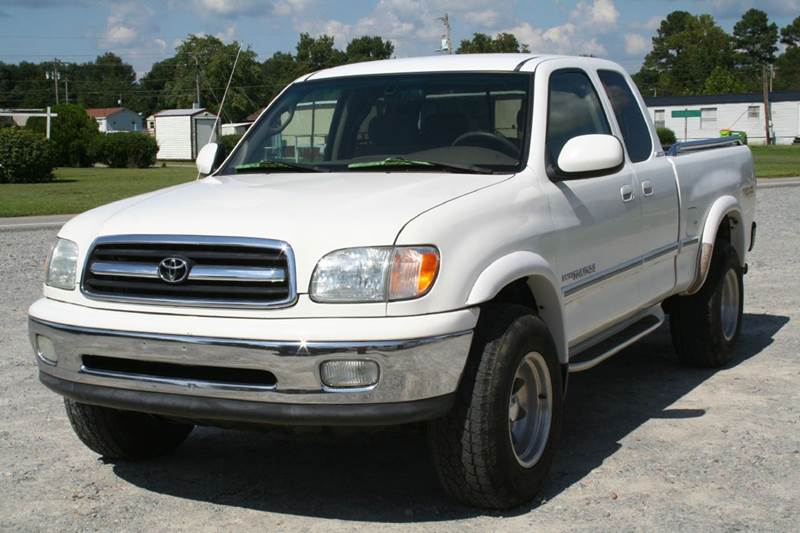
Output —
(413, 26)
(636, 44)
(290, 7)
(228, 34)
(651, 24)
(131, 32)
(228, 8)
(736, 8)
(245, 8)
(593, 48)
(566, 38)
(124, 25)
(600, 15)
(487, 18)
(119, 34)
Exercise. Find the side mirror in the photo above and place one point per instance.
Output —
(207, 158)
(588, 155)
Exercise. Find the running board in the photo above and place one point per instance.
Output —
(604, 349)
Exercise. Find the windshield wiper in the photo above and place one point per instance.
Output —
(281, 166)
(396, 162)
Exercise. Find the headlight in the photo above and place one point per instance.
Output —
(62, 265)
(375, 274)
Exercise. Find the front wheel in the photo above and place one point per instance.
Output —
(494, 449)
(117, 434)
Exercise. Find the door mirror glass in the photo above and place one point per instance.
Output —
(587, 155)
(207, 158)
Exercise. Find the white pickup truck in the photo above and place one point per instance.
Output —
(436, 239)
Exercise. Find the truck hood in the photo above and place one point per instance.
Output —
(314, 212)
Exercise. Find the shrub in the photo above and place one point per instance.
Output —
(126, 150)
(229, 141)
(666, 136)
(25, 156)
(73, 134)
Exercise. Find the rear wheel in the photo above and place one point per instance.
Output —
(117, 434)
(705, 326)
(495, 447)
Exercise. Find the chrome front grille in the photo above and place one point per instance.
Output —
(199, 271)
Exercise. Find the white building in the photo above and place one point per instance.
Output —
(115, 119)
(738, 112)
(181, 133)
(234, 128)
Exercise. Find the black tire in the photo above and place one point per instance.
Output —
(696, 322)
(117, 434)
(471, 446)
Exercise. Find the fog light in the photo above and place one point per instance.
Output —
(349, 374)
(46, 350)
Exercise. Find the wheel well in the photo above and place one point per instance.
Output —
(517, 292)
(541, 295)
(732, 230)
(724, 231)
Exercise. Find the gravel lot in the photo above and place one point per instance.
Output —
(647, 445)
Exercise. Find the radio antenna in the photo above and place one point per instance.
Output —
(222, 103)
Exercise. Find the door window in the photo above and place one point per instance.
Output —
(574, 109)
(634, 129)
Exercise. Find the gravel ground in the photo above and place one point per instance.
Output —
(647, 444)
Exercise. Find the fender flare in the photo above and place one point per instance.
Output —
(541, 280)
(721, 208)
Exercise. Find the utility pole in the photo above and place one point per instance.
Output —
(54, 75)
(447, 43)
(767, 110)
(197, 79)
(66, 89)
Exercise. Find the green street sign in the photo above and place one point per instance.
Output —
(686, 113)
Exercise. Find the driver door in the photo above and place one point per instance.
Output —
(596, 218)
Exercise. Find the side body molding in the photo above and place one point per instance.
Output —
(542, 282)
(722, 207)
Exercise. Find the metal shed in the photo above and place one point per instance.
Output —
(181, 133)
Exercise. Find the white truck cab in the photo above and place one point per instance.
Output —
(438, 239)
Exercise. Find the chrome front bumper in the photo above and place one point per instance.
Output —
(410, 370)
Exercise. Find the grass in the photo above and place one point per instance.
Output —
(77, 189)
(777, 161)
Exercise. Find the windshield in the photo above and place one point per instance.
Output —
(420, 122)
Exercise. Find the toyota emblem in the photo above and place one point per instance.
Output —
(173, 269)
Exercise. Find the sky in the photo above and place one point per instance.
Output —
(145, 31)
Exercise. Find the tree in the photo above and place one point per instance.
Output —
(73, 135)
(106, 82)
(790, 35)
(318, 53)
(278, 71)
(755, 39)
(484, 44)
(723, 81)
(787, 66)
(787, 70)
(211, 60)
(149, 96)
(368, 48)
(686, 48)
(25, 86)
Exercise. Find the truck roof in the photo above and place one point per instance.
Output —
(438, 63)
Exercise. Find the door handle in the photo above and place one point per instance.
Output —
(627, 193)
(647, 188)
